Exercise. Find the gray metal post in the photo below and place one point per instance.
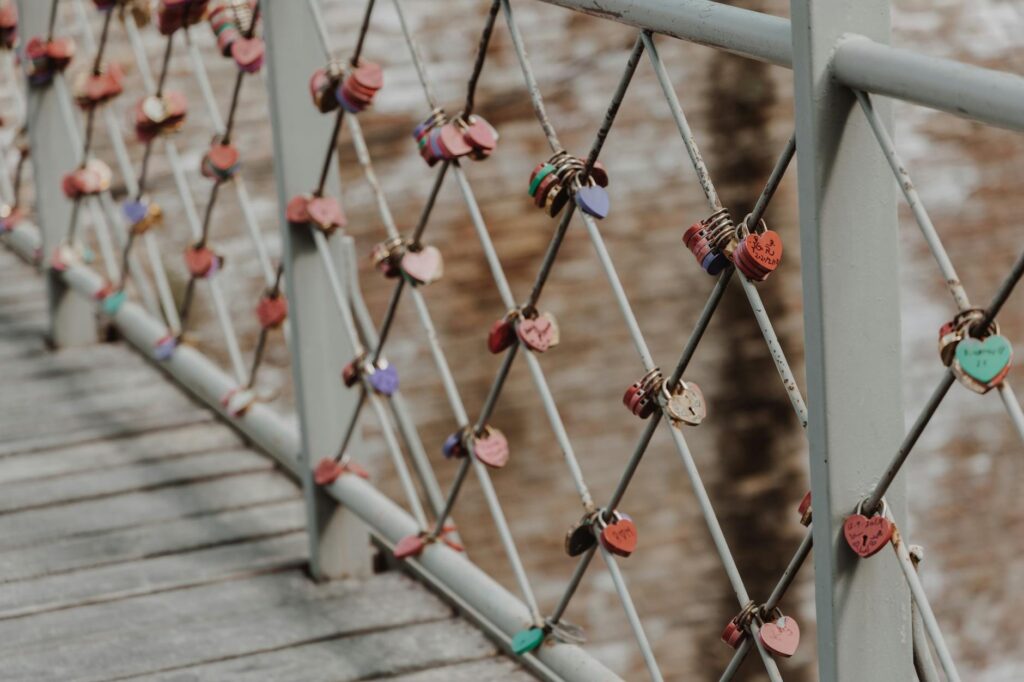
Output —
(849, 245)
(339, 542)
(72, 319)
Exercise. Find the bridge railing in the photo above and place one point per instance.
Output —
(849, 267)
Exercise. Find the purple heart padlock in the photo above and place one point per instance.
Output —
(593, 200)
(165, 347)
(134, 211)
(452, 445)
(384, 380)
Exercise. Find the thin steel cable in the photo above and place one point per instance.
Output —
(632, 617)
(481, 58)
(531, 81)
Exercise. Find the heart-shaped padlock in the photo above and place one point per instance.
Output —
(580, 536)
(868, 535)
(525, 641)
(410, 545)
(619, 535)
(327, 471)
(685, 404)
(248, 54)
(987, 361)
(423, 266)
(221, 161)
(236, 402)
(326, 214)
(384, 378)
(202, 262)
(452, 446)
(491, 447)
(142, 215)
(593, 201)
(501, 335)
(165, 346)
(781, 636)
(272, 310)
(296, 212)
(539, 333)
(806, 514)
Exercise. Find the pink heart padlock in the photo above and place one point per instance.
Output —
(423, 266)
(539, 333)
(410, 545)
(491, 448)
(781, 636)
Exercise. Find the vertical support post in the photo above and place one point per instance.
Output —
(72, 317)
(339, 542)
(849, 245)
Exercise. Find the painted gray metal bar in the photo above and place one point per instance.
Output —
(986, 95)
(924, 665)
(319, 346)
(450, 572)
(53, 154)
(744, 32)
(973, 92)
(853, 379)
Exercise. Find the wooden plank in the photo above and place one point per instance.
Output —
(352, 658)
(497, 669)
(37, 526)
(128, 425)
(197, 625)
(140, 542)
(135, 477)
(137, 448)
(169, 572)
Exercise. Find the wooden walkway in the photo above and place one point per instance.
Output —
(140, 539)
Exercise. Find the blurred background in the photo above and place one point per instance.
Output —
(965, 476)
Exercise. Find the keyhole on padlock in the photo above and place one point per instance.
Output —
(864, 540)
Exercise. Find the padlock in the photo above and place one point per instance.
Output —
(618, 535)
(866, 536)
(454, 445)
(479, 135)
(502, 333)
(230, 20)
(642, 396)
(93, 89)
(323, 86)
(160, 115)
(46, 58)
(758, 253)
(539, 333)
(8, 24)
(526, 640)
(272, 310)
(165, 346)
(202, 261)
(90, 179)
(324, 213)
(329, 469)
(237, 401)
(383, 377)
(249, 53)
(352, 371)
(685, 404)
(736, 629)
(142, 215)
(490, 447)
(580, 536)
(712, 241)
(781, 636)
(10, 216)
(423, 265)
(359, 86)
(981, 363)
(387, 256)
(806, 514)
(221, 161)
(172, 15)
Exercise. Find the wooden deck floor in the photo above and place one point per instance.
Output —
(140, 539)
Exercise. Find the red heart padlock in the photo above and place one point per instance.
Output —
(491, 448)
(781, 636)
(423, 266)
(199, 260)
(272, 311)
(619, 536)
(327, 471)
(221, 161)
(501, 336)
(805, 509)
(539, 333)
(410, 545)
(866, 536)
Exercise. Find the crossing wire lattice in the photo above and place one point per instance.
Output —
(398, 428)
